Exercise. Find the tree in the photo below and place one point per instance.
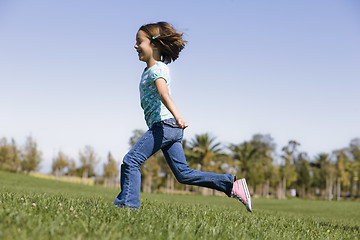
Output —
(111, 171)
(204, 153)
(89, 160)
(263, 161)
(323, 174)
(9, 155)
(150, 171)
(288, 170)
(31, 158)
(303, 174)
(243, 154)
(205, 149)
(72, 170)
(342, 171)
(355, 154)
(254, 161)
(59, 164)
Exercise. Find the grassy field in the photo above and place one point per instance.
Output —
(32, 208)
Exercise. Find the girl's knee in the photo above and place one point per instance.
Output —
(130, 160)
(184, 177)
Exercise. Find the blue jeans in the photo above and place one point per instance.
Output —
(166, 136)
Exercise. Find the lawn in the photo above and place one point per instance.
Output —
(32, 208)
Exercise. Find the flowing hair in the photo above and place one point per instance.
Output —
(165, 38)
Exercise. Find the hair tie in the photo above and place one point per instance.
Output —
(156, 36)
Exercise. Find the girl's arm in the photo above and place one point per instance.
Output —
(163, 91)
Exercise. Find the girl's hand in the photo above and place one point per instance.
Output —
(182, 123)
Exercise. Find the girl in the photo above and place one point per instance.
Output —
(157, 45)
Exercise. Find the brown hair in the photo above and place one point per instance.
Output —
(166, 38)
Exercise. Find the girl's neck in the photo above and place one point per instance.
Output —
(152, 61)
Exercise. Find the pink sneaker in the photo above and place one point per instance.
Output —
(241, 192)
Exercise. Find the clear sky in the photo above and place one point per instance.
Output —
(69, 73)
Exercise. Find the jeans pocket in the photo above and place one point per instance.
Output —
(171, 129)
(171, 122)
(171, 133)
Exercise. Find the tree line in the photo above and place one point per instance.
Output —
(269, 173)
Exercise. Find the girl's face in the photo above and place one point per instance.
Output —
(144, 48)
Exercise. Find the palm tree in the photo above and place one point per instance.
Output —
(254, 161)
(204, 150)
(288, 170)
(243, 154)
(324, 173)
(342, 170)
(303, 173)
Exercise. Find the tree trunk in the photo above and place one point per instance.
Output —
(167, 184)
(85, 173)
(172, 182)
(278, 191)
(284, 187)
(266, 188)
(329, 187)
(57, 173)
(338, 189)
(149, 183)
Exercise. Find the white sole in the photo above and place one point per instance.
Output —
(247, 193)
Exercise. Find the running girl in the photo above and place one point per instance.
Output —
(157, 45)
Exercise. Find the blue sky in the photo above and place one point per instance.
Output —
(69, 73)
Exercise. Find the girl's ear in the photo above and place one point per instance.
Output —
(153, 45)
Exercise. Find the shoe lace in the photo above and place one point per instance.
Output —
(238, 197)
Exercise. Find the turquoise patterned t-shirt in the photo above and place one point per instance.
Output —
(154, 109)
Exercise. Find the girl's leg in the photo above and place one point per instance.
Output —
(175, 157)
(146, 146)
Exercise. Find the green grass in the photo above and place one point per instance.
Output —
(161, 216)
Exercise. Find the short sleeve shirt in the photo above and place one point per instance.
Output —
(154, 109)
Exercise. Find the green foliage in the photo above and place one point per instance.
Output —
(59, 163)
(32, 208)
(111, 171)
(111, 168)
(268, 173)
(289, 167)
(205, 150)
(342, 167)
(243, 155)
(10, 155)
(31, 156)
(89, 160)
(303, 174)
